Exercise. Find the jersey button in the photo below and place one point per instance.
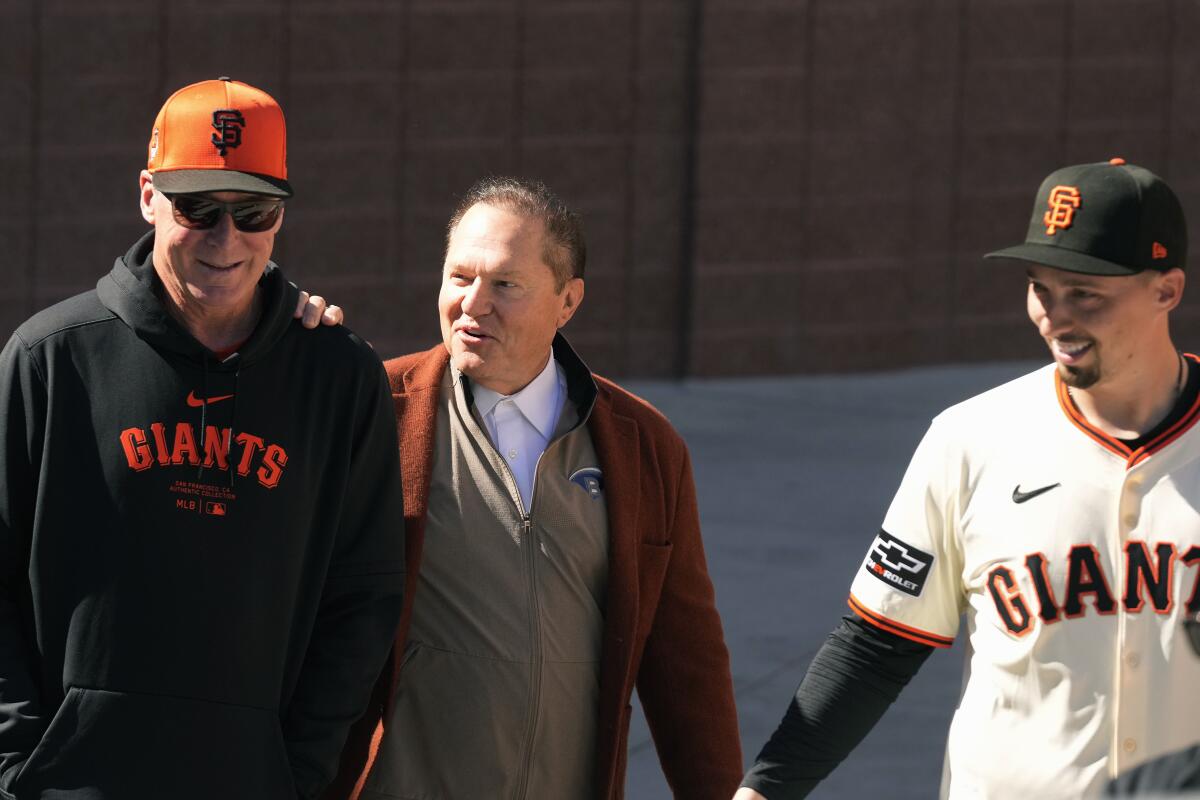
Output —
(1131, 520)
(1129, 745)
(1133, 660)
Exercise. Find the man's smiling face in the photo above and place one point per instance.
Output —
(500, 305)
(208, 272)
(1095, 326)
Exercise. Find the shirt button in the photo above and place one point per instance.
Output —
(512, 453)
(1129, 745)
(1133, 660)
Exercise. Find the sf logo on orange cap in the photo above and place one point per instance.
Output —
(1063, 201)
(228, 123)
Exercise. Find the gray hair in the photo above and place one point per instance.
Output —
(564, 248)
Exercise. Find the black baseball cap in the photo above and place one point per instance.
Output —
(1109, 218)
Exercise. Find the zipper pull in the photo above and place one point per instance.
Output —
(527, 527)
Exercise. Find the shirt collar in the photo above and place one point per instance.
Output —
(539, 402)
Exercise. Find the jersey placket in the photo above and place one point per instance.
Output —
(1128, 715)
(1138, 478)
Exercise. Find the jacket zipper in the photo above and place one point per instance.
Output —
(535, 623)
(535, 678)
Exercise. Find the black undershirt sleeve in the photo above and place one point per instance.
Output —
(852, 680)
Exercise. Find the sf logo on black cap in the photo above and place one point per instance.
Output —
(898, 564)
(1063, 201)
(228, 123)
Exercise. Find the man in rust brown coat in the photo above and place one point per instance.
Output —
(554, 551)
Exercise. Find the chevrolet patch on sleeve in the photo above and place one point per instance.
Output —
(900, 565)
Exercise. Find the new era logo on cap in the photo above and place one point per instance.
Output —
(1109, 218)
(220, 135)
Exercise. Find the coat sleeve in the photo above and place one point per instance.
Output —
(23, 719)
(684, 682)
(360, 605)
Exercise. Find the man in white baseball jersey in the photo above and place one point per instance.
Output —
(1060, 513)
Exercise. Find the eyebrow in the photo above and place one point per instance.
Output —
(495, 274)
(1071, 280)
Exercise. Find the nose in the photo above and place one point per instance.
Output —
(223, 232)
(476, 301)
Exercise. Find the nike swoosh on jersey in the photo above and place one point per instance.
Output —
(196, 402)
(1021, 497)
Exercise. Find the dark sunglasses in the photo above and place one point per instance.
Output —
(1191, 625)
(199, 213)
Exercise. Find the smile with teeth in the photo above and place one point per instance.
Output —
(1071, 350)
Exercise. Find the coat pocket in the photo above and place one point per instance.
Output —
(106, 745)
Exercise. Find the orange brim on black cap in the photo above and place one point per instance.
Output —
(1062, 258)
(181, 181)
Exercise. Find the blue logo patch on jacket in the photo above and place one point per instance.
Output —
(590, 479)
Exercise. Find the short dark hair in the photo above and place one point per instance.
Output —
(565, 250)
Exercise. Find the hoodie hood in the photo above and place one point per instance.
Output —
(129, 290)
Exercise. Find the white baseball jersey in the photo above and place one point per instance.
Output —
(1075, 561)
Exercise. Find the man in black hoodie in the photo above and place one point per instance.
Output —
(201, 555)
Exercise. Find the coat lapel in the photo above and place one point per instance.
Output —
(414, 396)
(615, 438)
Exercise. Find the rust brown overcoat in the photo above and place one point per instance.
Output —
(661, 629)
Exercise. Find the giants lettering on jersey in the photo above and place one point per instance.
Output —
(899, 565)
(1148, 578)
(143, 452)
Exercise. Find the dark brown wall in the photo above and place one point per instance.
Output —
(769, 186)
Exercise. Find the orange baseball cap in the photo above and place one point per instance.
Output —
(220, 136)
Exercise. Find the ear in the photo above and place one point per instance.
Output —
(146, 191)
(571, 296)
(1169, 289)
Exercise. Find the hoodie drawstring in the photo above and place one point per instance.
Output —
(237, 374)
(226, 445)
(203, 419)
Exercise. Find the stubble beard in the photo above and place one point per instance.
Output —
(1080, 377)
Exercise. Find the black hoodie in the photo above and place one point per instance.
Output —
(195, 598)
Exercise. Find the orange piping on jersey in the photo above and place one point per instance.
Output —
(1175, 431)
(1132, 457)
(891, 626)
(1101, 438)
